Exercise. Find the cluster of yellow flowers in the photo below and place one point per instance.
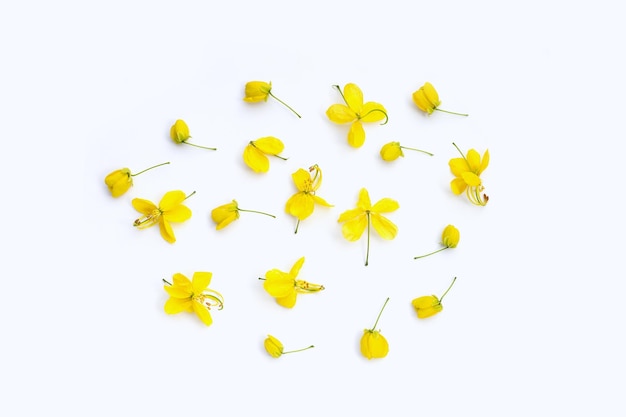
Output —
(195, 296)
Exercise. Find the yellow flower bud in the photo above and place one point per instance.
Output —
(426, 98)
(273, 346)
(225, 214)
(373, 344)
(391, 151)
(450, 236)
(257, 91)
(427, 306)
(179, 132)
(119, 181)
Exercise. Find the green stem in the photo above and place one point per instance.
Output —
(457, 148)
(198, 146)
(299, 350)
(451, 112)
(381, 312)
(167, 282)
(428, 254)
(190, 195)
(278, 156)
(262, 279)
(414, 149)
(372, 111)
(340, 92)
(284, 104)
(297, 225)
(148, 169)
(367, 256)
(260, 212)
(444, 294)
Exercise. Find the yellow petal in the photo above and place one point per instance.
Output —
(338, 113)
(391, 151)
(450, 236)
(458, 166)
(473, 159)
(269, 145)
(431, 95)
(226, 220)
(427, 306)
(485, 162)
(321, 201)
(458, 185)
(288, 301)
(356, 135)
(273, 346)
(143, 206)
(385, 205)
(373, 112)
(278, 283)
(177, 214)
(200, 281)
(166, 231)
(295, 269)
(177, 305)
(255, 159)
(179, 132)
(181, 287)
(350, 214)
(385, 227)
(225, 214)
(119, 182)
(256, 91)
(300, 205)
(354, 97)
(202, 312)
(354, 228)
(421, 102)
(374, 345)
(302, 180)
(471, 179)
(171, 199)
(364, 202)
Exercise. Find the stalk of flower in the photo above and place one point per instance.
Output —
(365, 215)
(301, 204)
(257, 91)
(427, 100)
(393, 150)
(193, 296)
(169, 210)
(120, 180)
(179, 133)
(429, 305)
(274, 347)
(284, 286)
(373, 343)
(227, 213)
(254, 154)
(467, 170)
(355, 112)
(449, 239)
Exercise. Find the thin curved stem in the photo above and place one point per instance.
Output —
(281, 157)
(198, 146)
(418, 150)
(379, 314)
(299, 350)
(190, 195)
(373, 110)
(260, 212)
(444, 294)
(148, 169)
(166, 281)
(428, 254)
(284, 104)
(297, 225)
(451, 112)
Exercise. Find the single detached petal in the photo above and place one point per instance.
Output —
(353, 229)
(458, 185)
(353, 96)
(300, 205)
(178, 305)
(295, 269)
(143, 206)
(269, 145)
(288, 301)
(255, 159)
(171, 199)
(385, 227)
(356, 135)
(373, 112)
(201, 281)
(202, 312)
(338, 113)
(166, 231)
(364, 202)
(385, 205)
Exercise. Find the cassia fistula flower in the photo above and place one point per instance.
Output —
(427, 100)
(193, 296)
(355, 112)
(393, 150)
(429, 305)
(373, 343)
(254, 154)
(284, 286)
(365, 215)
(169, 210)
(301, 204)
(257, 91)
(466, 171)
(274, 347)
(228, 213)
(120, 180)
(179, 133)
(449, 239)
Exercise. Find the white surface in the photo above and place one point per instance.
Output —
(535, 321)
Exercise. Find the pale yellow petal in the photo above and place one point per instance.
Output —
(485, 162)
(171, 199)
(356, 135)
(385, 205)
(203, 313)
(201, 281)
(255, 159)
(269, 145)
(338, 113)
(385, 227)
(143, 206)
(354, 97)
(354, 228)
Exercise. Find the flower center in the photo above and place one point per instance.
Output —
(209, 298)
(149, 219)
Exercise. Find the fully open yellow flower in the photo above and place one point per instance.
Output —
(356, 220)
(429, 305)
(466, 171)
(393, 150)
(228, 213)
(285, 287)
(301, 204)
(257, 91)
(193, 296)
(120, 180)
(449, 239)
(275, 348)
(254, 153)
(373, 343)
(427, 100)
(179, 133)
(170, 209)
(355, 112)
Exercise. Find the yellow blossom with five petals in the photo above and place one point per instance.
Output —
(193, 296)
(355, 112)
(254, 154)
(466, 171)
(275, 348)
(257, 91)
(365, 215)
(284, 286)
(429, 305)
(120, 180)
(227, 213)
(373, 343)
(427, 100)
(170, 209)
(301, 204)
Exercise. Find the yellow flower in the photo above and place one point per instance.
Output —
(275, 348)
(227, 213)
(285, 287)
(179, 133)
(373, 344)
(356, 220)
(466, 171)
(254, 153)
(257, 91)
(427, 100)
(301, 204)
(120, 180)
(393, 150)
(449, 239)
(355, 112)
(170, 209)
(429, 305)
(193, 296)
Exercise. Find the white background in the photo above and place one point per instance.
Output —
(535, 321)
